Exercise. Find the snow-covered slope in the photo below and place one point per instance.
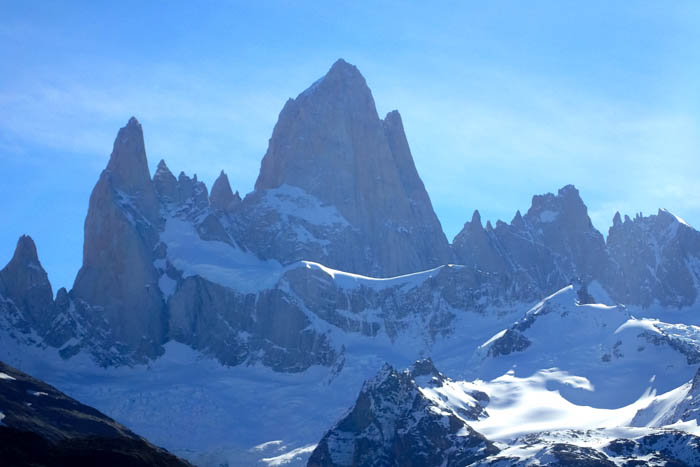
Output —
(506, 421)
(622, 356)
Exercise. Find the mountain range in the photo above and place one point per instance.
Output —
(335, 265)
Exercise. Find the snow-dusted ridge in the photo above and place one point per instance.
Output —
(530, 423)
(230, 266)
(348, 280)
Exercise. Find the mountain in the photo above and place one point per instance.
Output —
(644, 261)
(222, 197)
(551, 245)
(193, 304)
(420, 417)
(655, 259)
(394, 423)
(25, 287)
(28, 310)
(118, 278)
(604, 343)
(41, 426)
(330, 147)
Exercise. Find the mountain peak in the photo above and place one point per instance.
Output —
(568, 191)
(221, 196)
(665, 213)
(25, 252)
(342, 67)
(128, 162)
(162, 167)
(425, 367)
(165, 183)
(517, 219)
(617, 220)
(394, 118)
(331, 143)
(342, 87)
(24, 281)
(476, 218)
(566, 204)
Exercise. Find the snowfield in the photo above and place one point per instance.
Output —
(561, 383)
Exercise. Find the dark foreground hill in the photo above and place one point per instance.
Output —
(41, 426)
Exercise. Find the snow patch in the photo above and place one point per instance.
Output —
(520, 406)
(293, 455)
(167, 285)
(216, 261)
(6, 376)
(641, 324)
(681, 221)
(291, 201)
(268, 444)
(348, 280)
(548, 216)
(493, 339)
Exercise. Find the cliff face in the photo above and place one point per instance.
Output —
(24, 282)
(330, 143)
(26, 298)
(654, 259)
(121, 232)
(551, 246)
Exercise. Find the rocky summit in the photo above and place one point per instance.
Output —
(117, 278)
(553, 244)
(330, 143)
(193, 304)
(394, 423)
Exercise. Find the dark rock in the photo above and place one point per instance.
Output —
(393, 424)
(41, 426)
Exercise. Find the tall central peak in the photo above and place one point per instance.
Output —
(328, 130)
(331, 143)
(345, 72)
(342, 88)
(128, 160)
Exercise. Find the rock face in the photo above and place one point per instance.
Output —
(654, 259)
(553, 244)
(393, 423)
(222, 197)
(478, 247)
(330, 144)
(25, 283)
(243, 328)
(121, 233)
(41, 426)
(646, 260)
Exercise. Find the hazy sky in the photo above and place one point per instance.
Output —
(500, 100)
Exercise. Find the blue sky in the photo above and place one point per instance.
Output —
(500, 100)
